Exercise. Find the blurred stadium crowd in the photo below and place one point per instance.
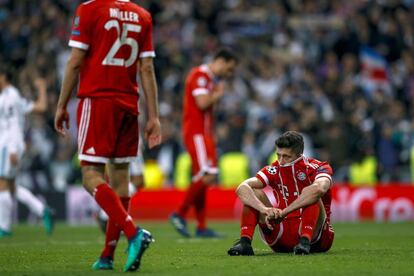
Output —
(300, 69)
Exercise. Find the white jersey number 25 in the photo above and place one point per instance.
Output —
(120, 41)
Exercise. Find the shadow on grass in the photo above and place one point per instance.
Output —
(261, 254)
(280, 254)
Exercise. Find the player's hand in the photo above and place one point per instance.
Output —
(152, 133)
(61, 120)
(272, 217)
(280, 216)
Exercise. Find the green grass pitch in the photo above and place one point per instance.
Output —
(359, 249)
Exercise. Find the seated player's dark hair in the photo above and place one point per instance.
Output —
(292, 140)
(225, 54)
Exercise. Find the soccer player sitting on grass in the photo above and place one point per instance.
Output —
(301, 220)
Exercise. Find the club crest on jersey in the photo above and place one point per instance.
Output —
(272, 170)
(201, 81)
(301, 176)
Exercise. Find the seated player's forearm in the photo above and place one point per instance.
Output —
(309, 195)
(248, 197)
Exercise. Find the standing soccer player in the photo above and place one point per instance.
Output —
(111, 41)
(203, 88)
(301, 186)
(13, 108)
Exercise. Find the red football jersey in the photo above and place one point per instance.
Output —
(115, 33)
(288, 181)
(197, 121)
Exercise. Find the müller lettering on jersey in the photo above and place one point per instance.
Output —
(123, 15)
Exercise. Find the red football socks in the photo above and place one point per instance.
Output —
(190, 197)
(249, 220)
(200, 208)
(113, 232)
(111, 204)
(310, 216)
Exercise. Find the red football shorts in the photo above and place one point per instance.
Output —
(202, 150)
(285, 236)
(106, 132)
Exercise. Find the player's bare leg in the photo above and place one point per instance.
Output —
(250, 218)
(119, 178)
(6, 205)
(93, 176)
(137, 181)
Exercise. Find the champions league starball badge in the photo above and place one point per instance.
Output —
(272, 170)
